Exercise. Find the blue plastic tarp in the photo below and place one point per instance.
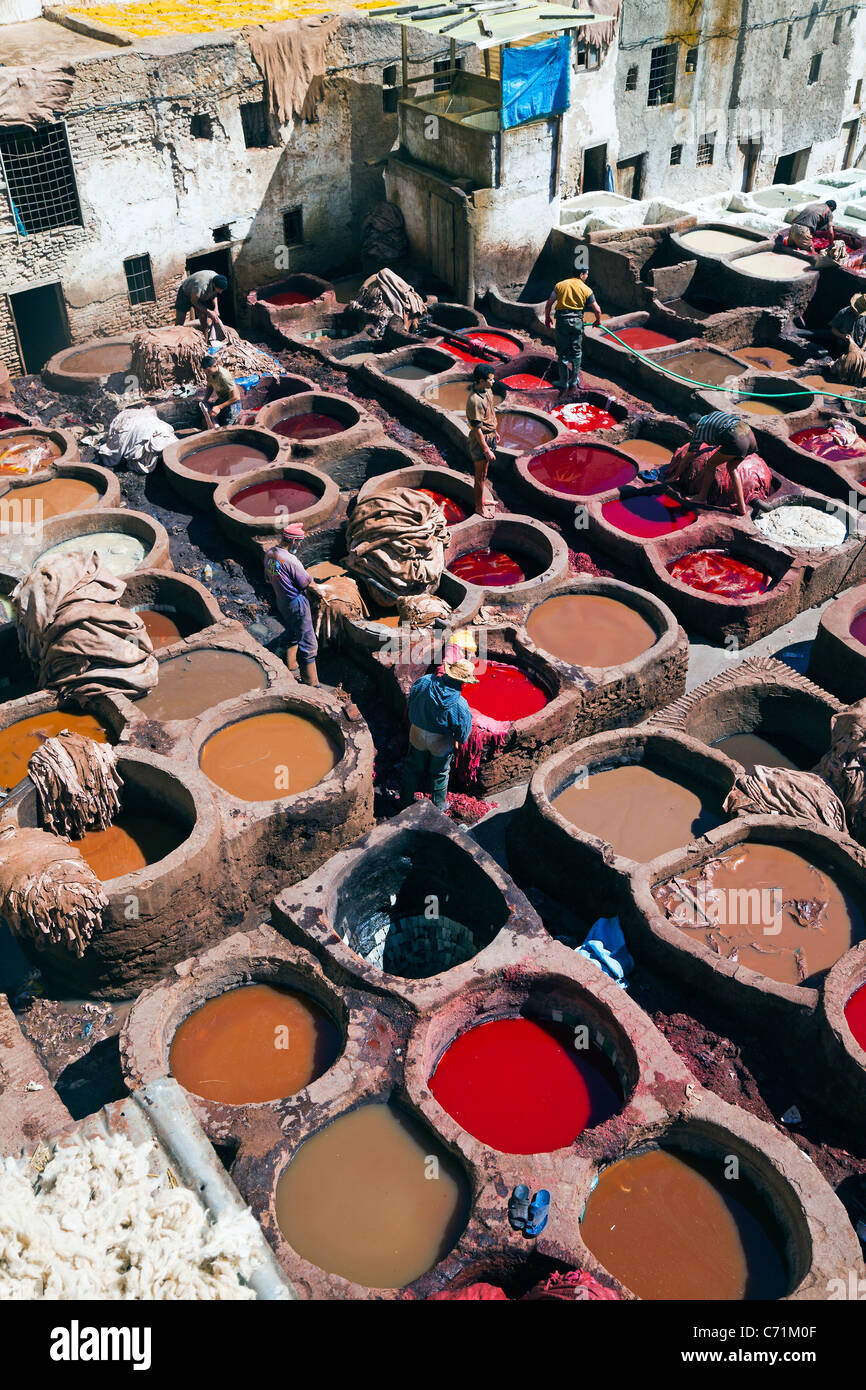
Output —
(535, 80)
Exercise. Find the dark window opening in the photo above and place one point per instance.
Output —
(390, 90)
(814, 68)
(588, 55)
(837, 29)
(222, 233)
(849, 134)
(293, 227)
(663, 74)
(139, 279)
(442, 68)
(858, 91)
(676, 154)
(256, 124)
(40, 324)
(789, 36)
(692, 60)
(40, 178)
(631, 80)
(706, 150)
(201, 127)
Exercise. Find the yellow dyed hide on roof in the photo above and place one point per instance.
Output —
(152, 18)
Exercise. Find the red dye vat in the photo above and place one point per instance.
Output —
(647, 515)
(717, 572)
(822, 443)
(855, 1017)
(11, 422)
(581, 470)
(274, 498)
(453, 510)
(289, 297)
(496, 341)
(504, 692)
(580, 415)
(522, 1087)
(858, 628)
(492, 568)
(525, 381)
(312, 425)
(644, 338)
(462, 354)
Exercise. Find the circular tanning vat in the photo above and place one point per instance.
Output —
(269, 755)
(33, 450)
(568, 471)
(410, 369)
(528, 371)
(511, 557)
(726, 583)
(589, 413)
(317, 424)
(124, 540)
(264, 501)
(172, 606)
(197, 465)
(477, 345)
(200, 679)
(296, 298)
(602, 626)
(76, 369)
(12, 419)
(714, 239)
(838, 657)
(754, 722)
(645, 515)
(772, 397)
(521, 431)
(454, 317)
(22, 732)
(77, 487)
(453, 491)
(842, 1018)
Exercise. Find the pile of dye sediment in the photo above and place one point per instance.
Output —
(454, 511)
(798, 921)
(269, 756)
(855, 1015)
(197, 681)
(489, 568)
(589, 630)
(522, 1086)
(581, 470)
(828, 444)
(612, 805)
(647, 515)
(118, 552)
(54, 498)
(504, 692)
(670, 1225)
(802, 527)
(254, 1044)
(18, 741)
(358, 1200)
(720, 573)
(313, 424)
(224, 460)
(281, 497)
(582, 416)
(100, 1225)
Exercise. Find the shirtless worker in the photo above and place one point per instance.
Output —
(200, 291)
(483, 434)
(732, 442)
(572, 298)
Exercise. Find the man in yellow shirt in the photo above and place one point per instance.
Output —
(571, 297)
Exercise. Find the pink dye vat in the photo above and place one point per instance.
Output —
(858, 628)
(648, 515)
(312, 425)
(822, 443)
(581, 470)
(580, 415)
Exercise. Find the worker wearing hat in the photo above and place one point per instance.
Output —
(440, 721)
(290, 582)
(849, 325)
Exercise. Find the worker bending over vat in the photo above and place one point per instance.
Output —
(718, 438)
(200, 292)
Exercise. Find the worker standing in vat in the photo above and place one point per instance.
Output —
(200, 292)
(572, 297)
(440, 722)
(483, 434)
(731, 442)
(815, 220)
(290, 582)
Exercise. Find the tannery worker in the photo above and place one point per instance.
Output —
(572, 297)
(200, 292)
(290, 582)
(730, 440)
(849, 325)
(483, 434)
(815, 220)
(440, 721)
(222, 402)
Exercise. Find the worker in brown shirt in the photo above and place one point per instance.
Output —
(483, 433)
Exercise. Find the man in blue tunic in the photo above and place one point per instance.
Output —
(440, 721)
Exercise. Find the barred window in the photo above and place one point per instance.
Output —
(139, 279)
(442, 73)
(588, 55)
(631, 80)
(789, 35)
(39, 175)
(706, 150)
(663, 74)
(256, 125)
(676, 154)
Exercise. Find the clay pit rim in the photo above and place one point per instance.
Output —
(198, 487)
(243, 525)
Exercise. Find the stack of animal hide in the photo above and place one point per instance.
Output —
(48, 893)
(76, 782)
(397, 543)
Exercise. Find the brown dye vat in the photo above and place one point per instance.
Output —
(55, 497)
(759, 407)
(23, 453)
(269, 756)
(671, 1226)
(224, 460)
(254, 1044)
(100, 361)
(589, 630)
(613, 804)
(751, 750)
(162, 628)
(20, 740)
(356, 1200)
(833, 388)
(522, 432)
(646, 452)
(450, 395)
(411, 371)
(130, 843)
(708, 368)
(772, 359)
(798, 922)
(190, 684)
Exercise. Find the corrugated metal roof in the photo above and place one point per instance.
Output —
(486, 24)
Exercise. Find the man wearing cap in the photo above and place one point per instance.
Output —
(849, 325)
(200, 291)
(572, 298)
(815, 220)
(483, 434)
(290, 581)
(440, 721)
(731, 442)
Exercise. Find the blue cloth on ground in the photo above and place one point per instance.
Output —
(437, 706)
(535, 80)
(605, 946)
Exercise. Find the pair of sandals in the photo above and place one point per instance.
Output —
(528, 1215)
